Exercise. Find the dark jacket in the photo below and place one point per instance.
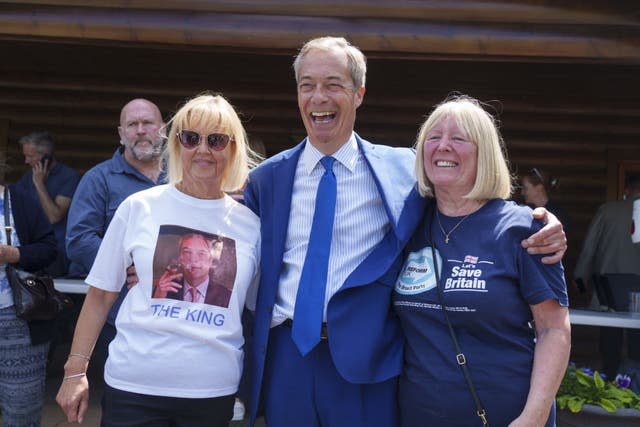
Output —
(37, 249)
(217, 293)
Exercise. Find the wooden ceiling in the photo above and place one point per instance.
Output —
(562, 75)
(69, 66)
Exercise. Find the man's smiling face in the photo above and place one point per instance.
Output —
(327, 98)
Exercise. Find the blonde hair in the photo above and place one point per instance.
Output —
(356, 60)
(211, 110)
(493, 179)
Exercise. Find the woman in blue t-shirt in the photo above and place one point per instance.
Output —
(507, 309)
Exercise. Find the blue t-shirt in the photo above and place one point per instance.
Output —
(489, 282)
(62, 181)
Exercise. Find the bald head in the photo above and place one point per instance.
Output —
(137, 104)
(139, 130)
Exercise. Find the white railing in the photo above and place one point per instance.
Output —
(71, 286)
(618, 319)
(577, 316)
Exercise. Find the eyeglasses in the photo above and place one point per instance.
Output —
(190, 140)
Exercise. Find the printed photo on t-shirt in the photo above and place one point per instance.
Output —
(194, 266)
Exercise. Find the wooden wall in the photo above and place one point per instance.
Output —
(562, 76)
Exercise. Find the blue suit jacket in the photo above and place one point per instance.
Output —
(365, 340)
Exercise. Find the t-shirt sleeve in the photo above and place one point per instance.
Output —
(540, 282)
(109, 268)
(70, 182)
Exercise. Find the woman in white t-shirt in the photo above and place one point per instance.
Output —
(177, 356)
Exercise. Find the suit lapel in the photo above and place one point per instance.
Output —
(403, 210)
(381, 171)
(282, 184)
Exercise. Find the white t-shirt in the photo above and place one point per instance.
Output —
(168, 346)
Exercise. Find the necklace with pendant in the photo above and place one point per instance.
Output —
(444, 233)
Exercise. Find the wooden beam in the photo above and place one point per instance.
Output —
(591, 12)
(616, 38)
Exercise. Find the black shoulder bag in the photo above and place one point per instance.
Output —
(460, 359)
(34, 295)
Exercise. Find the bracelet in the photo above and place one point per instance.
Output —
(81, 356)
(74, 376)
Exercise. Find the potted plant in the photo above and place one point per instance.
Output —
(586, 398)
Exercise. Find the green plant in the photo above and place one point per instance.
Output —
(583, 386)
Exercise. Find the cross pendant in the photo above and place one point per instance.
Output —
(446, 240)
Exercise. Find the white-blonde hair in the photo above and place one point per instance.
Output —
(493, 179)
(211, 110)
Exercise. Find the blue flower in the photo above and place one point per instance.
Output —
(581, 386)
(590, 372)
(623, 381)
(587, 371)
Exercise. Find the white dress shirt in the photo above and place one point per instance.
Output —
(360, 222)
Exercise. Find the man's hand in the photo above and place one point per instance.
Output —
(549, 240)
(132, 276)
(40, 173)
(167, 283)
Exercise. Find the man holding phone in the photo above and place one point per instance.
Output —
(52, 184)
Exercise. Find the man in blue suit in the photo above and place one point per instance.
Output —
(349, 377)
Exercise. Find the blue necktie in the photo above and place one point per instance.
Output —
(307, 316)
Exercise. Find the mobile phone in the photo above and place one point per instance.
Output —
(46, 158)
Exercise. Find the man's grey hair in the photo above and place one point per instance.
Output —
(43, 142)
(357, 62)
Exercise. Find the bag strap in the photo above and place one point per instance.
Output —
(7, 221)
(460, 358)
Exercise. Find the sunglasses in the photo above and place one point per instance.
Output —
(190, 140)
(537, 173)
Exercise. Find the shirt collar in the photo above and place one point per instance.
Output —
(202, 287)
(347, 155)
(119, 162)
(120, 165)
